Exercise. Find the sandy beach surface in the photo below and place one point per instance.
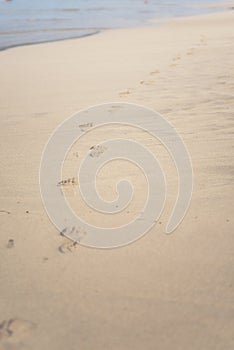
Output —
(162, 292)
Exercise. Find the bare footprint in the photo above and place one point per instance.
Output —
(147, 82)
(69, 186)
(115, 108)
(68, 247)
(76, 154)
(68, 182)
(124, 93)
(96, 151)
(190, 51)
(85, 127)
(156, 72)
(177, 58)
(14, 331)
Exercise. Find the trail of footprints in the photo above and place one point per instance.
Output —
(70, 183)
(78, 233)
(98, 150)
(191, 51)
(94, 152)
(175, 62)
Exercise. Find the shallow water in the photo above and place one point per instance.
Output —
(25, 22)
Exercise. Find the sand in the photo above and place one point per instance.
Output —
(162, 292)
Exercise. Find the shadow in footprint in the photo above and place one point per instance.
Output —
(68, 247)
(97, 150)
(156, 72)
(4, 212)
(85, 127)
(124, 93)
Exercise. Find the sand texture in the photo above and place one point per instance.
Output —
(162, 292)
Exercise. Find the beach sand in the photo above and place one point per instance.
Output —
(164, 291)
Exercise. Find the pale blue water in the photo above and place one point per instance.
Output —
(26, 22)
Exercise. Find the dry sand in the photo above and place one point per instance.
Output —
(162, 292)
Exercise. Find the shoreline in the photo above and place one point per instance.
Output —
(48, 41)
(220, 8)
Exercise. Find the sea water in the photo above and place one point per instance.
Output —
(25, 22)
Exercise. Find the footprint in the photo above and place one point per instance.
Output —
(96, 151)
(124, 93)
(190, 51)
(156, 72)
(148, 82)
(85, 127)
(117, 107)
(76, 154)
(177, 58)
(68, 247)
(68, 182)
(13, 331)
(68, 186)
